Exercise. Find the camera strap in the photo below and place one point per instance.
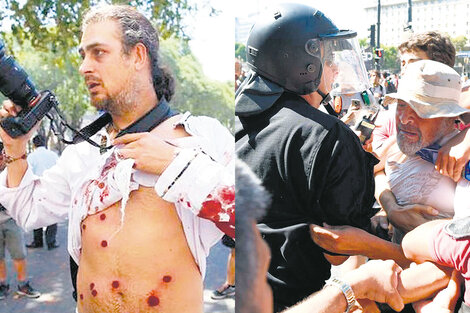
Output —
(149, 121)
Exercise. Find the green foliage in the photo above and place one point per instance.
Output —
(194, 91)
(391, 61)
(55, 24)
(363, 42)
(459, 42)
(240, 51)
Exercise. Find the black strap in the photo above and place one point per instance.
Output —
(326, 98)
(149, 121)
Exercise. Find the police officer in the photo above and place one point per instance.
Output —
(312, 164)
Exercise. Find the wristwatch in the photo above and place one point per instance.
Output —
(345, 288)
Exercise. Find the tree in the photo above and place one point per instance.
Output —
(194, 91)
(363, 43)
(56, 24)
(391, 60)
(459, 42)
(240, 51)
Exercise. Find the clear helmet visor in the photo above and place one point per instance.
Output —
(343, 67)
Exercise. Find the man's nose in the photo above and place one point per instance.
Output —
(85, 67)
(405, 115)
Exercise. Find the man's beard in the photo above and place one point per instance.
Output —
(410, 148)
(123, 102)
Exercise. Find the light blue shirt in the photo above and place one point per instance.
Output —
(41, 159)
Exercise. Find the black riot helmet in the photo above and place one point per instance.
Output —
(291, 44)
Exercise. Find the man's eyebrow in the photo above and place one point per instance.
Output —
(90, 46)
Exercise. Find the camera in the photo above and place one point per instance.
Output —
(16, 85)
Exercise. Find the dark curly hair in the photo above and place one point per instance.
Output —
(437, 46)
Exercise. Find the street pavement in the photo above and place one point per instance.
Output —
(48, 271)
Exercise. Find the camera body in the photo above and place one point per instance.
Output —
(16, 85)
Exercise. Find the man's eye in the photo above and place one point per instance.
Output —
(98, 53)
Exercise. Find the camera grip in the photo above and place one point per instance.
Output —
(27, 119)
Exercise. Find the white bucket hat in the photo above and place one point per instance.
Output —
(431, 88)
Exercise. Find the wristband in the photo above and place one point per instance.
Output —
(345, 288)
(8, 159)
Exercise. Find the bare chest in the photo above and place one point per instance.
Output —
(140, 262)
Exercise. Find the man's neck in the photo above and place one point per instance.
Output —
(143, 104)
(314, 98)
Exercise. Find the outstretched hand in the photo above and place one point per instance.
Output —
(378, 281)
(339, 239)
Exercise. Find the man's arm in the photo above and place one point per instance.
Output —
(405, 217)
(454, 155)
(416, 244)
(380, 281)
(376, 280)
(354, 241)
(38, 201)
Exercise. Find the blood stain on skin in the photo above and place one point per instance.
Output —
(104, 243)
(94, 293)
(153, 300)
(92, 286)
(115, 284)
(166, 278)
(102, 217)
(81, 296)
(83, 226)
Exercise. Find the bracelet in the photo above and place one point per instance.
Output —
(8, 159)
(345, 288)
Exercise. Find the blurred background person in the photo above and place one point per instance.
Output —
(11, 239)
(40, 160)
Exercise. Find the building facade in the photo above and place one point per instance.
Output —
(447, 16)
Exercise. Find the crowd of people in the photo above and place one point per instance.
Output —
(392, 211)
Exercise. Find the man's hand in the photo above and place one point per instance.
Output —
(380, 220)
(14, 147)
(378, 281)
(151, 153)
(339, 239)
(365, 306)
(445, 300)
(408, 217)
(454, 155)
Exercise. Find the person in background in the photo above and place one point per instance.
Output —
(377, 89)
(11, 239)
(40, 160)
(228, 288)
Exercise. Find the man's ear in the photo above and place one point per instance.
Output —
(140, 56)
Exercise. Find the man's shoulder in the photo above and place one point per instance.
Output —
(299, 114)
(202, 126)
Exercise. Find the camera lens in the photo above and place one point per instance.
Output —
(14, 82)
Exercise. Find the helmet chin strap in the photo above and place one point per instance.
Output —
(326, 98)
